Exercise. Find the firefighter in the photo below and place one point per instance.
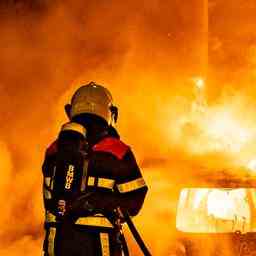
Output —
(87, 178)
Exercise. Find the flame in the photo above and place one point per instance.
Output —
(199, 82)
(227, 204)
(183, 110)
(215, 210)
(227, 130)
(252, 165)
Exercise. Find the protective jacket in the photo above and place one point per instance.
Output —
(92, 181)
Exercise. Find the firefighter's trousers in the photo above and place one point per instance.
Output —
(74, 240)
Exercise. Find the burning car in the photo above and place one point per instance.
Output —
(218, 220)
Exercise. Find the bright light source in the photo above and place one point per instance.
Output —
(199, 82)
(225, 128)
(221, 205)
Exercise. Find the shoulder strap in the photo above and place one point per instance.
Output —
(52, 149)
(111, 145)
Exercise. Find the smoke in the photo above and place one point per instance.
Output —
(146, 53)
(5, 180)
(231, 46)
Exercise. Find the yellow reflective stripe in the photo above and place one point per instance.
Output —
(131, 185)
(53, 176)
(102, 182)
(49, 217)
(104, 239)
(51, 239)
(47, 194)
(47, 181)
(91, 181)
(94, 221)
(106, 183)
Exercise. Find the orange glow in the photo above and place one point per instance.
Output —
(182, 73)
(199, 82)
(228, 132)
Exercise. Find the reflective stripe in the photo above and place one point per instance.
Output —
(51, 239)
(47, 181)
(53, 177)
(49, 217)
(106, 183)
(94, 221)
(91, 181)
(47, 194)
(131, 185)
(104, 239)
(102, 182)
(85, 170)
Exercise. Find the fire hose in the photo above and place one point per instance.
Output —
(134, 231)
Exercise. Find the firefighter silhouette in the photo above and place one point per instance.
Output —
(89, 173)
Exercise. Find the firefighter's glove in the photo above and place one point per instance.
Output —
(88, 207)
(94, 203)
(102, 203)
(82, 205)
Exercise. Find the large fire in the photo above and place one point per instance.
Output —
(182, 74)
(216, 210)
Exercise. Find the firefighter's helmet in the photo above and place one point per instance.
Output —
(93, 99)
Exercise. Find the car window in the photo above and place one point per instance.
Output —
(216, 210)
